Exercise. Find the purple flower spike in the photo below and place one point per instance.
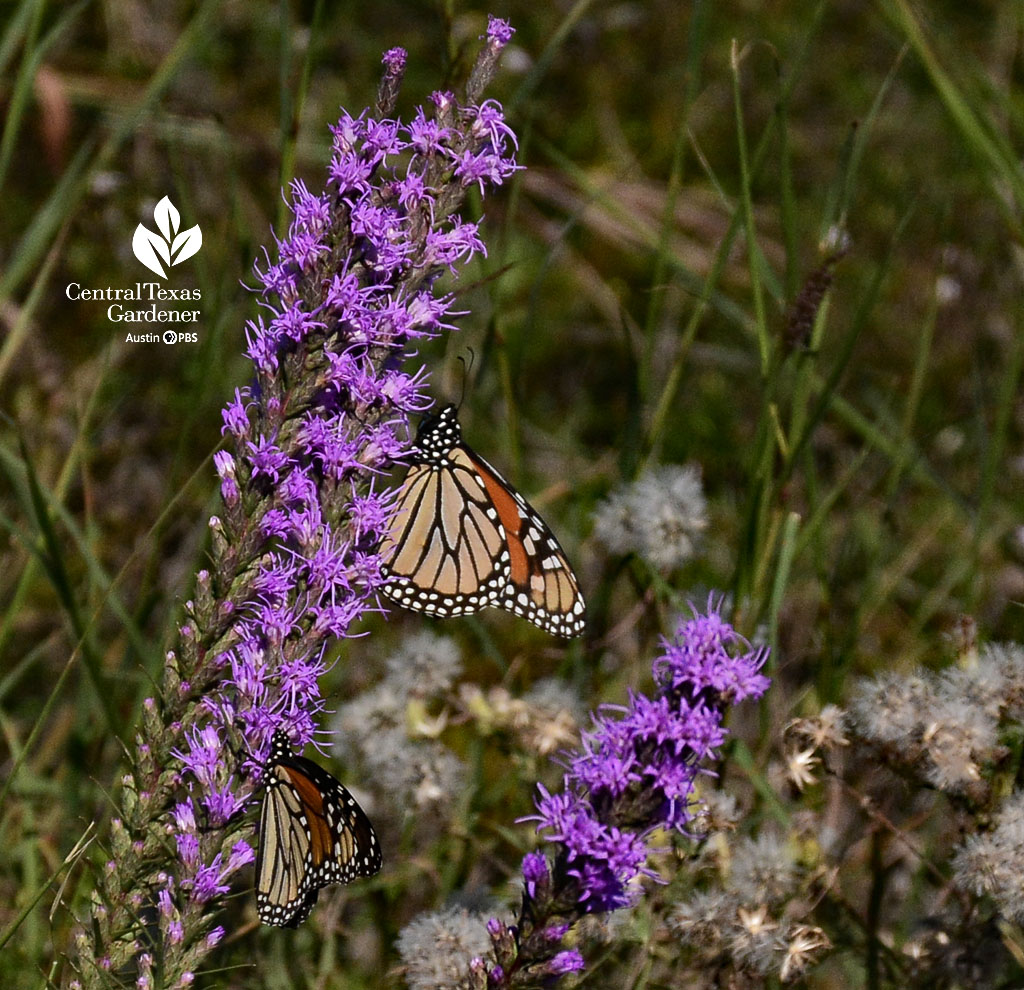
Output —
(394, 59)
(499, 31)
(634, 773)
(308, 474)
(535, 871)
(345, 295)
(566, 962)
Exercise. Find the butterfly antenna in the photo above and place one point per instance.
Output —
(466, 368)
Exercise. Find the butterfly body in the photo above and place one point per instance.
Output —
(463, 539)
(312, 834)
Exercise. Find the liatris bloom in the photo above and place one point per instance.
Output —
(352, 288)
(634, 773)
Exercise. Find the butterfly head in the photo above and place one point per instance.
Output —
(437, 434)
(280, 746)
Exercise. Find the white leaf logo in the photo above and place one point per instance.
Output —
(169, 246)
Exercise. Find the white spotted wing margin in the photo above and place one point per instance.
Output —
(312, 834)
(462, 539)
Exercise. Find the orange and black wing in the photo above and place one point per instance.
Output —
(445, 552)
(541, 585)
(312, 833)
(463, 539)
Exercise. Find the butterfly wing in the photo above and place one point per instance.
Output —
(445, 551)
(282, 858)
(344, 845)
(312, 833)
(463, 539)
(305, 908)
(541, 585)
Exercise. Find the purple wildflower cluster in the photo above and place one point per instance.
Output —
(634, 772)
(351, 291)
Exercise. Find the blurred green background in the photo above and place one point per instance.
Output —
(687, 169)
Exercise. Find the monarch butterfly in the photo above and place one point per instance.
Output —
(463, 539)
(312, 833)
